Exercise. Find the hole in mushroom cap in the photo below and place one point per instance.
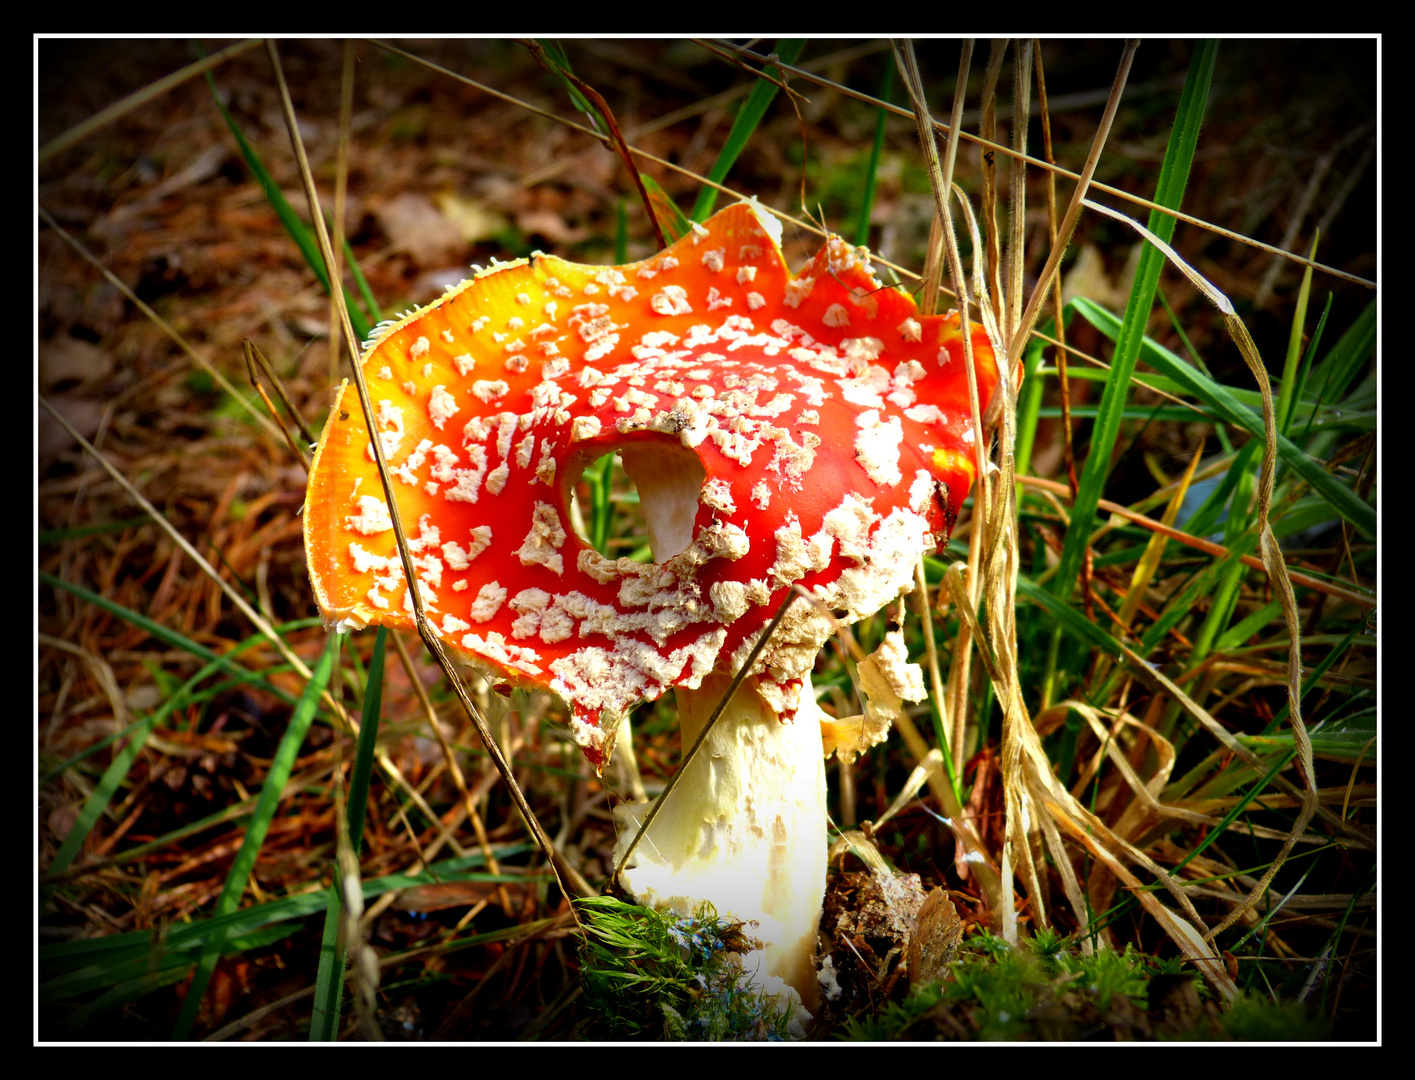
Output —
(650, 486)
(605, 511)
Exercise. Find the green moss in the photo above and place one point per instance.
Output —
(1048, 990)
(1106, 973)
(651, 974)
(1253, 1018)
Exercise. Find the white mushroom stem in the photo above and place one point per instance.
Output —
(745, 829)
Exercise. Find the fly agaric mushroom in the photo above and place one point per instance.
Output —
(782, 430)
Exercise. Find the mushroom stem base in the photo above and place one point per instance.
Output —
(744, 829)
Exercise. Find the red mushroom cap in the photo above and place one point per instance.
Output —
(826, 422)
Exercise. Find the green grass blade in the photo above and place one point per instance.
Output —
(333, 954)
(1221, 604)
(621, 232)
(1203, 521)
(1306, 410)
(1303, 376)
(1182, 604)
(1029, 405)
(1342, 744)
(1221, 829)
(153, 970)
(375, 314)
(191, 828)
(561, 63)
(185, 696)
(266, 806)
(867, 200)
(301, 233)
(674, 223)
(101, 796)
(1153, 415)
(1174, 173)
(58, 536)
(362, 775)
(747, 119)
(129, 990)
(1290, 385)
(1349, 355)
(1179, 332)
(123, 993)
(1068, 618)
(1221, 400)
(64, 963)
(329, 979)
(1254, 623)
(165, 635)
(142, 622)
(117, 771)
(1306, 513)
(73, 969)
(600, 477)
(1225, 597)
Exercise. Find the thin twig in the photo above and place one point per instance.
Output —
(253, 357)
(1073, 212)
(341, 192)
(616, 136)
(1058, 301)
